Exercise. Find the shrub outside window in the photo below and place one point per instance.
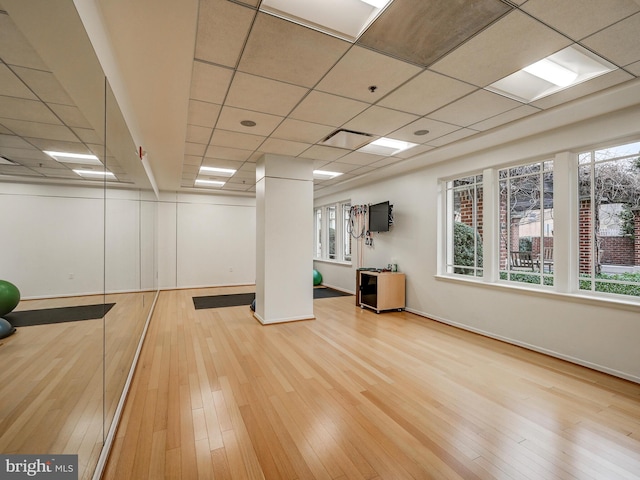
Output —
(464, 226)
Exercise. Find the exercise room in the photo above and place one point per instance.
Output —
(255, 239)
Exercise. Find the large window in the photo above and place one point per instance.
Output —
(526, 223)
(609, 220)
(464, 226)
(332, 238)
(498, 224)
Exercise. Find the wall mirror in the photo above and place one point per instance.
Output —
(77, 238)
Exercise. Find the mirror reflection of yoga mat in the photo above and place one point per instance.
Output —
(238, 299)
(27, 318)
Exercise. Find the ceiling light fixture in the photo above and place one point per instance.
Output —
(386, 146)
(566, 68)
(209, 183)
(552, 72)
(346, 19)
(81, 158)
(325, 174)
(227, 172)
(94, 173)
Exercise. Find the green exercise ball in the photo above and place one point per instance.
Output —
(9, 297)
(317, 277)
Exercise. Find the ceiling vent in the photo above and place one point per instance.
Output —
(347, 139)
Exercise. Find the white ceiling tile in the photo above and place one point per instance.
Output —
(203, 114)
(270, 51)
(57, 172)
(192, 160)
(520, 41)
(209, 83)
(426, 93)
(70, 115)
(4, 130)
(360, 158)
(242, 141)
(379, 120)
(300, 131)
(327, 109)
(579, 18)
(13, 141)
(618, 43)
(321, 152)
(436, 129)
(28, 110)
(14, 48)
(361, 68)
(12, 86)
(591, 86)
(196, 134)
(412, 152)
(194, 149)
(634, 68)
(219, 163)
(227, 153)
(474, 108)
(87, 135)
(453, 137)
(18, 170)
(40, 130)
(502, 118)
(231, 117)
(283, 147)
(44, 85)
(263, 94)
(340, 167)
(222, 29)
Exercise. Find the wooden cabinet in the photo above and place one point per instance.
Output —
(380, 290)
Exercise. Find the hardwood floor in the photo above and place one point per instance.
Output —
(52, 378)
(357, 395)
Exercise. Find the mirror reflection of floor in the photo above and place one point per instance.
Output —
(52, 377)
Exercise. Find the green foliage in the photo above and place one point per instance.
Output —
(630, 287)
(527, 278)
(525, 244)
(465, 250)
(626, 216)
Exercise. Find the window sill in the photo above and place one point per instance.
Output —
(333, 262)
(623, 303)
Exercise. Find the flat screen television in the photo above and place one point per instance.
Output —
(379, 217)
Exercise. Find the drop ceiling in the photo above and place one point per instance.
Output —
(189, 88)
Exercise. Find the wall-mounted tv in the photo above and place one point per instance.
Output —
(379, 217)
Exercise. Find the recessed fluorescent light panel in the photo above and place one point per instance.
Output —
(224, 172)
(346, 19)
(386, 146)
(564, 69)
(81, 158)
(325, 175)
(95, 174)
(209, 183)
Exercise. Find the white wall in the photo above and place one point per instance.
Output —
(206, 240)
(598, 334)
(52, 241)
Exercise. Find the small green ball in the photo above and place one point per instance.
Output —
(317, 278)
(9, 297)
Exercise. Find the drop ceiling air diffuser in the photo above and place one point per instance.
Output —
(347, 139)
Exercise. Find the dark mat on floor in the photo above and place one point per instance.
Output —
(239, 299)
(326, 292)
(27, 318)
(217, 301)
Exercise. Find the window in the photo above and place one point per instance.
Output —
(609, 220)
(332, 237)
(464, 226)
(526, 223)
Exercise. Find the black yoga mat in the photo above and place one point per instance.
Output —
(27, 318)
(238, 299)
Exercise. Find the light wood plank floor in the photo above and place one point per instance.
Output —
(356, 395)
(52, 377)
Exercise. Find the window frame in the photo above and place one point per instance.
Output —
(322, 235)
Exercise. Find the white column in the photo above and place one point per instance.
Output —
(284, 239)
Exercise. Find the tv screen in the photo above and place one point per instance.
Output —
(379, 217)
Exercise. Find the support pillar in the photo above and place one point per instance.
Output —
(284, 239)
